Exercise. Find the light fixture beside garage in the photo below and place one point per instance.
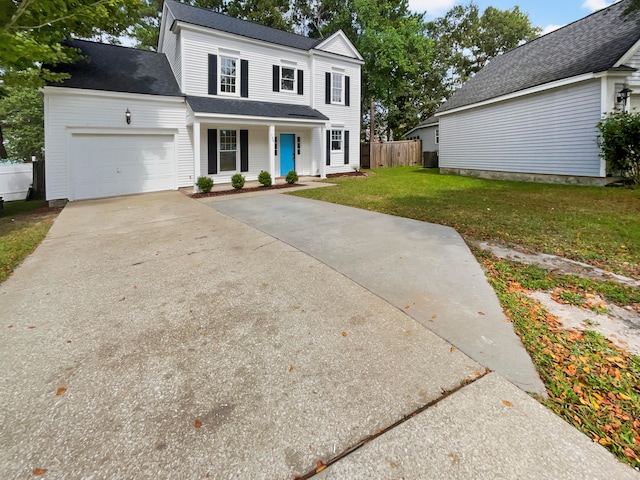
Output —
(127, 115)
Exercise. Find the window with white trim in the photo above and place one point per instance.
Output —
(337, 88)
(336, 140)
(228, 75)
(437, 136)
(228, 151)
(287, 79)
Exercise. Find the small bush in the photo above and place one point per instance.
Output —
(292, 177)
(619, 141)
(265, 178)
(237, 181)
(204, 184)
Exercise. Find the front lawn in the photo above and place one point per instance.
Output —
(597, 225)
(22, 227)
(591, 383)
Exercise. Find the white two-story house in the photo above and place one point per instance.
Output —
(221, 96)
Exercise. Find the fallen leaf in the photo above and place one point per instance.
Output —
(290, 368)
(122, 299)
(197, 424)
(452, 349)
(630, 454)
(61, 391)
(434, 315)
(406, 306)
(480, 313)
(31, 326)
(507, 403)
(135, 286)
(39, 471)
(10, 326)
(344, 334)
(320, 466)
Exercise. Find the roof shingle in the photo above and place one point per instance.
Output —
(210, 19)
(592, 44)
(231, 106)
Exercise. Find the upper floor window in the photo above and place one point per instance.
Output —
(288, 79)
(228, 75)
(336, 88)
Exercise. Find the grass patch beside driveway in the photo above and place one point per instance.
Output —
(591, 383)
(596, 225)
(22, 227)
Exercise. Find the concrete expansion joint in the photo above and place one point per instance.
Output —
(445, 393)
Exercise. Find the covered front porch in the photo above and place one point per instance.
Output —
(225, 144)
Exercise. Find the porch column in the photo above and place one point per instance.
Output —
(323, 152)
(272, 155)
(197, 164)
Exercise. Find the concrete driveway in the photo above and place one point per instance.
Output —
(153, 336)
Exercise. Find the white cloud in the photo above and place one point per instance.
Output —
(594, 5)
(434, 8)
(550, 28)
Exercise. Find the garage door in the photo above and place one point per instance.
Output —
(109, 165)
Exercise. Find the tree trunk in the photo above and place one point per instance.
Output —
(3, 151)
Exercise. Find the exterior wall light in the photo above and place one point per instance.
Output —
(127, 116)
(623, 96)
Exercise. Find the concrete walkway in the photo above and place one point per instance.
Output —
(152, 336)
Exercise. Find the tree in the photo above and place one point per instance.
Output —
(619, 141)
(22, 115)
(32, 33)
(271, 13)
(467, 41)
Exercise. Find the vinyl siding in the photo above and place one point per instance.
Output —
(338, 46)
(171, 47)
(70, 110)
(341, 116)
(552, 132)
(634, 78)
(428, 137)
(197, 47)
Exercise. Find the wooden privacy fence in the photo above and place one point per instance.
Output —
(391, 154)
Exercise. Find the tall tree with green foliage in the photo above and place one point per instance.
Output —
(271, 13)
(467, 40)
(22, 116)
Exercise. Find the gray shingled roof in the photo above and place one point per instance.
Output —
(218, 21)
(425, 123)
(231, 106)
(119, 69)
(591, 44)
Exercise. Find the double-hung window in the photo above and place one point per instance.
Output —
(336, 140)
(287, 79)
(228, 75)
(337, 88)
(437, 136)
(228, 151)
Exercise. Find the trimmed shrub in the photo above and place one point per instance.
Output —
(265, 178)
(237, 181)
(292, 177)
(204, 184)
(619, 141)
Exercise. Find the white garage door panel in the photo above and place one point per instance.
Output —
(108, 165)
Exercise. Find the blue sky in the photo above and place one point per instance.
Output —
(546, 14)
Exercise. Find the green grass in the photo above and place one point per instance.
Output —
(21, 231)
(597, 225)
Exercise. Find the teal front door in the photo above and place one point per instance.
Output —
(287, 155)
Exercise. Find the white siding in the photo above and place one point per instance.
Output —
(634, 78)
(171, 47)
(341, 116)
(15, 180)
(428, 137)
(198, 46)
(552, 132)
(337, 45)
(69, 109)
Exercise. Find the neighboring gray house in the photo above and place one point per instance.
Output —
(429, 132)
(531, 113)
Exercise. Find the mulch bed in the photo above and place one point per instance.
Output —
(348, 174)
(244, 190)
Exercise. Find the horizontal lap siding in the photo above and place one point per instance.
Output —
(634, 78)
(171, 48)
(550, 132)
(341, 116)
(197, 47)
(69, 111)
(337, 46)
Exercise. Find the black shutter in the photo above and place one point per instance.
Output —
(346, 147)
(300, 82)
(244, 78)
(213, 74)
(244, 150)
(347, 87)
(212, 150)
(328, 147)
(327, 87)
(276, 78)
